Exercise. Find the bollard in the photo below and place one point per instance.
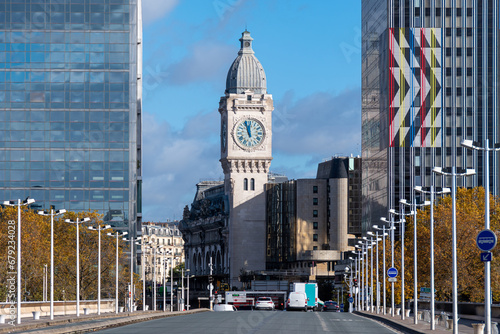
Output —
(2, 318)
(36, 315)
(449, 324)
(478, 328)
(494, 328)
(85, 311)
(398, 311)
(407, 313)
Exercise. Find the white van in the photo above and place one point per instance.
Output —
(297, 301)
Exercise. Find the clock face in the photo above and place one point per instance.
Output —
(249, 133)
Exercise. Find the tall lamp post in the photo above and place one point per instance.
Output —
(359, 300)
(131, 239)
(52, 213)
(413, 207)
(77, 223)
(402, 226)
(474, 145)
(19, 203)
(143, 244)
(187, 276)
(384, 234)
(116, 266)
(377, 239)
(454, 172)
(99, 228)
(431, 232)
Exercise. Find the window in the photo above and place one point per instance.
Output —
(315, 213)
(245, 184)
(315, 237)
(315, 225)
(315, 201)
(315, 189)
(252, 184)
(249, 97)
(315, 247)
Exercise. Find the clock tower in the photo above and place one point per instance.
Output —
(246, 154)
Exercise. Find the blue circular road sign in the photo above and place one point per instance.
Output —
(392, 272)
(351, 300)
(486, 240)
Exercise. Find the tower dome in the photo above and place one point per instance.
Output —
(246, 72)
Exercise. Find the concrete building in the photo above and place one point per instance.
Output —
(309, 221)
(70, 107)
(168, 236)
(429, 80)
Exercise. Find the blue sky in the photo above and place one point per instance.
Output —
(311, 53)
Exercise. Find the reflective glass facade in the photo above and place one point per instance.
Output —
(429, 82)
(70, 105)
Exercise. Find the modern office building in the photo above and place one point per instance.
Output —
(70, 106)
(429, 80)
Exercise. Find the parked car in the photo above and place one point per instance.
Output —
(264, 303)
(224, 307)
(296, 301)
(331, 306)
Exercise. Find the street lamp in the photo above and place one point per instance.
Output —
(52, 214)
(164, 267)
(131, 292)
(431, 231)
(454, 172)
(365, 290)
(377, 261)
(19, 203)
(77, 223)
(414, 206)
(473, 145)
(143, 244)
(402, 228)
(391, 228)
(116, 292)
(384, 234)
(99, 228)
(359, 290)
(187, 273)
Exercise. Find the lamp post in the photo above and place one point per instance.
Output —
(377, 239)
(52, 214)
(164, 274)
(366, 290)
(362, 276)
(77, 223)
(359, 290)
(391, 228)
(131, 239)
(454, 172)
(99, 228)
(431, 231)
(19, 203)
(187, 276)
(142, 243)
(414, 206)
(402, 226)
(116, 267)
(487, 265)
(377, 228)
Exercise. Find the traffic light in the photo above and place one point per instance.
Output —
(356, 283)
(210, 279)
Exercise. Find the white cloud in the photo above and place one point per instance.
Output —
(206, 61)
(174, 161)
(153, 10)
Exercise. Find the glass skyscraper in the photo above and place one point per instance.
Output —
(429, 81)
(70, 106)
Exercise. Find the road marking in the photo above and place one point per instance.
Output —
(322, 322)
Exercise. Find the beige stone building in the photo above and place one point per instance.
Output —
(310, 221)
(166, 236)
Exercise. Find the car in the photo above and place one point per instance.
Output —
(331, 306)
(224, 307)
(264, 303)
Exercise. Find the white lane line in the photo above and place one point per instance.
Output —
(322, 322)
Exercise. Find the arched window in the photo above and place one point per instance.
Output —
(252, 184)
(245, 184)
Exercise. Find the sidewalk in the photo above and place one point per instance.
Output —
(407, 326)
(87, 323)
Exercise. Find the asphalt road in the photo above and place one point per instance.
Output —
(258, 322)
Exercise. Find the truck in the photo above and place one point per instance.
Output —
(311, 291)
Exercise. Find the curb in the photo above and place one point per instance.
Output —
(129, 318)
(389, 323)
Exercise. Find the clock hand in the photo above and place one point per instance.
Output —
(248, 129)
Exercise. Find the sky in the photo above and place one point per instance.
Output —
(311, 54)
